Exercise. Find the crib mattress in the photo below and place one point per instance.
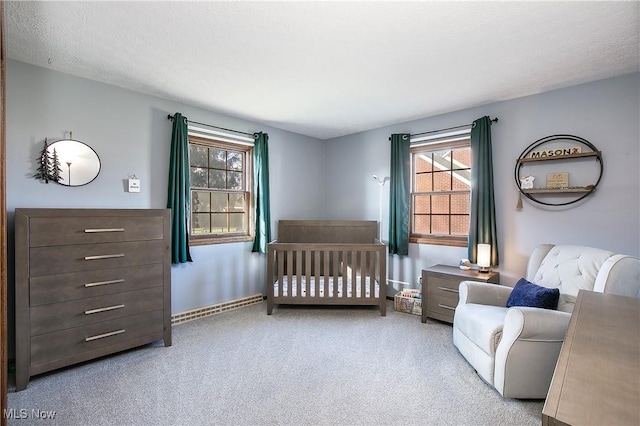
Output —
(286, 290)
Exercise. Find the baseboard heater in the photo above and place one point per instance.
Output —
(215, 309)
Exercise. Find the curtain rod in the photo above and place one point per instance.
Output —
(253, 135)
(491, 121)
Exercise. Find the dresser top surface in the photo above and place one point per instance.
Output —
(47, 212)
(454, 270)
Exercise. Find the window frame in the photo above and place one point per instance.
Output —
(463, 141)
(229, 237)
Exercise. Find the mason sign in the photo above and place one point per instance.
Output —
(555, 152)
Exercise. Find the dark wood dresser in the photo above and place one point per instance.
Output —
(89, 283)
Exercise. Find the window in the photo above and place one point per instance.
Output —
(221, 195)
(440, 193)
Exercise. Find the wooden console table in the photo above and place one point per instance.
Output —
(597, 378)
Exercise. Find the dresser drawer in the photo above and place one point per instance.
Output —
(443, 307)
(80, 285)
(442, 292)
(76, 258)
(71, 342)
(443, 283)
(58, 231)
(60, 316)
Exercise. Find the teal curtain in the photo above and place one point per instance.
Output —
(399, 195)
(482, 227)
(179, 186)
(261, 192)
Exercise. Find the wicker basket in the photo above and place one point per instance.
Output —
(406, 301)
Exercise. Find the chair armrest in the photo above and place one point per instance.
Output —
(528, 351)
(535, 324)
(483, 293)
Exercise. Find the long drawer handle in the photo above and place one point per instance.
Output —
(102, 336)
(104, 256)
(97, 283)
(448, 289)
(108, 308)
(96, 230)
(446, 307)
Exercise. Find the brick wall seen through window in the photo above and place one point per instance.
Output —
(440, 195)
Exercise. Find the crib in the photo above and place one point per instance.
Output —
(326, 263)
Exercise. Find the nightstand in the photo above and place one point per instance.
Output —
(440, 289)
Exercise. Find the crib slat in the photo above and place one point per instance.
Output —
(289, 272)
(345, 274)
(307, 270)
(326, 274)
(298, 271)
(336, 272)
(316, 263)
(372, 273)
(355, 273)
(363, 272)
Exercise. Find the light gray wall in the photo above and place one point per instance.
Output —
(606, 113)
(312, 179)
(131, 134)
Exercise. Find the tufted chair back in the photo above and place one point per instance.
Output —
(572, 268)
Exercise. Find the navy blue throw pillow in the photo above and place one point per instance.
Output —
(526, 293)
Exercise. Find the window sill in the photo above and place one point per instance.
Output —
(440, 241)
(204, 241)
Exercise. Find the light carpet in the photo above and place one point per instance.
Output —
(299, 366)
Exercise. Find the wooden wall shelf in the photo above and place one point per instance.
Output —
(558, 190)
(561, 157)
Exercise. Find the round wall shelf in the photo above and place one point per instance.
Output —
(531, 156)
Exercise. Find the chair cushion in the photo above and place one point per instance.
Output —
(482, 324)
(526, 293)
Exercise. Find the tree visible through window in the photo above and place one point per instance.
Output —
(440, 193)
(220, 191)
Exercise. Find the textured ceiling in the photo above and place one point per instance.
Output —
(327, 69)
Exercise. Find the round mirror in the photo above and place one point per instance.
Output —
(77, 163)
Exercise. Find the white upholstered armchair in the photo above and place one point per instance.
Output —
(516, 349)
